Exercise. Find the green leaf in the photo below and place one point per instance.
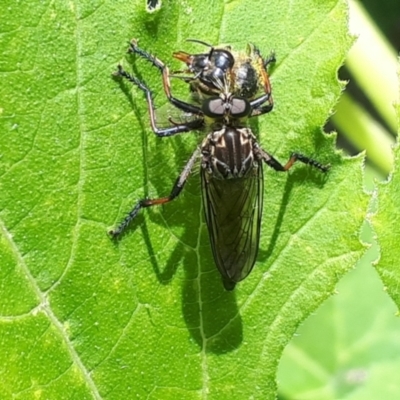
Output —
(350, 348)
(84, 317)
(386, 223)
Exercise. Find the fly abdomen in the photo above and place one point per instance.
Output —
(233, 209)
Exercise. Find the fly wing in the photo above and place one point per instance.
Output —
(233, 209)
(167, 115)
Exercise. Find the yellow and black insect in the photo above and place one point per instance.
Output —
(243, 72)
(231, 159)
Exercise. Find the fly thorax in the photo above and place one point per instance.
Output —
(228, 152)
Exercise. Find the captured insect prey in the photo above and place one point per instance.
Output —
(243, 72)
(231, 159)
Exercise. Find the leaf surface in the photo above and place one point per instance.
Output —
(348, 349)
(386, 225)
(147, 317)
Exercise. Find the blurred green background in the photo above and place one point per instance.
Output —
(350, 348)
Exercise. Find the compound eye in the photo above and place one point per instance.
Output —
(240, 107)
(200, 62)
(224, 60)
(213, 107)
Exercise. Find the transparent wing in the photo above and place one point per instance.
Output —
(167, 115)
(233, 209)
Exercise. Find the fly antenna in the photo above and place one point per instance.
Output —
(199, 41)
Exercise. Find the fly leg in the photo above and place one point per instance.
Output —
(257, 104)
(143, 203)
(161, 132)
(277, 166)
(182, 105)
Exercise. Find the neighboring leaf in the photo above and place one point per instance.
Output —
(350, 349)
(386, 223)
(147, 317)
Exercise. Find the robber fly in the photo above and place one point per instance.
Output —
(231, 168)
(243, 72)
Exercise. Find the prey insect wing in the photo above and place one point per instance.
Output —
(233, 209)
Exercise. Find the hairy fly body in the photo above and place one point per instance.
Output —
(231, 168)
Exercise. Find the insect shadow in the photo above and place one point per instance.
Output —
(293, 180)
(210, 313)
(296, 177)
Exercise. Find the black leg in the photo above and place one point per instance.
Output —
(257, 105)
(187, 107)
(176, 190)
(269, 60)
(162, 132)
(277, 166)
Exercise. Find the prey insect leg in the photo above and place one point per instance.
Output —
(162, 132)
(143, 203)
(263, 65)
(257, 104)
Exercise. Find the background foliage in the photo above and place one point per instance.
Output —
(358, 354)
(85, 317)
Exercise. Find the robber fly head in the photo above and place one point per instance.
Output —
(226, 107)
